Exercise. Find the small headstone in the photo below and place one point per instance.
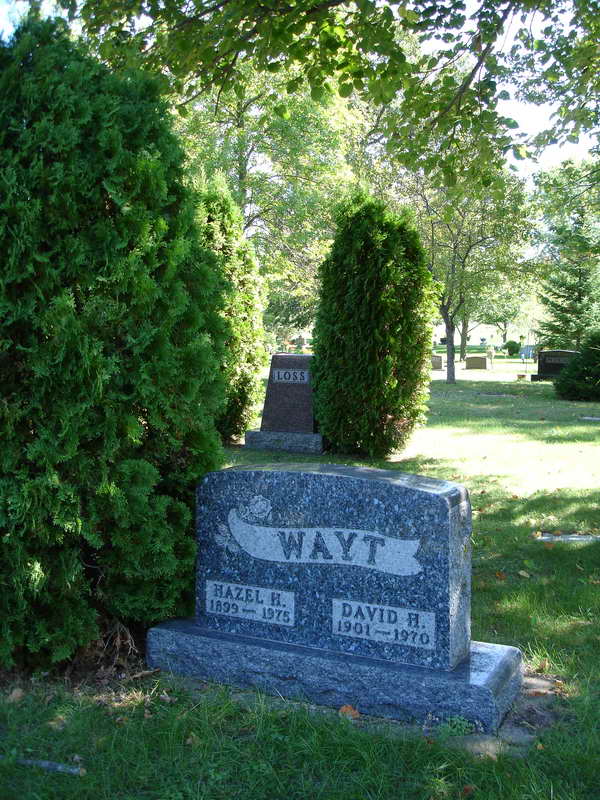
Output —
(551, 363)
(339, 585)
(288, 422)
(577, 538)
(476, 362)
(437, 362)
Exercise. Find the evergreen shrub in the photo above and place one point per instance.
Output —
(109, 350)
(245, 354)
(511, 347)
(569, 294)
(373, 333)
(580, 379)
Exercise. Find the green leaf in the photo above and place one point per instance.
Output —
(449, 175)
(293, 85)
(282, 111)
(520, 152)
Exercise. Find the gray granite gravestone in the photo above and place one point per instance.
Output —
(476, 362)
(339, 585)
(551, 362)
(287, 421)
(436, 362)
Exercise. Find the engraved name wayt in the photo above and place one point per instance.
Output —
(366, 561)
(346, 546)
(335, 584)
(373, 562)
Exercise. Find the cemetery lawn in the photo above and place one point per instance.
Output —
(531, 464)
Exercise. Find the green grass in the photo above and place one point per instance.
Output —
(531, 463)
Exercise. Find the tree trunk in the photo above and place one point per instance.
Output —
(450, 328)
(464, 333)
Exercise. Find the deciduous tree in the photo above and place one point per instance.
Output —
(474, 236)
(369, 47)
(286, 171)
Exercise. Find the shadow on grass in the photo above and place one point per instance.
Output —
(239, 455)
(536, 595)
(528, 410)
(561, 509)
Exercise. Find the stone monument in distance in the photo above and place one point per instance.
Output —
(288, 422)
(551, 363)
(476, 362)
(339, 585)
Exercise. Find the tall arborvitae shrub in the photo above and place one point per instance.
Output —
(580, 379)
(109, 342)
(373, 333)
(245, 355)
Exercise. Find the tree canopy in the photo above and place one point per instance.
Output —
(568, 198)
(285, 172)
(448, 66)
(474, 236)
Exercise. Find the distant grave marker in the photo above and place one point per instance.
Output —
(339, 585)
(288, 422)
(476, 362)
(551, 363)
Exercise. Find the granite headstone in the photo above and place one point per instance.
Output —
(551, 363)
(436, 362)
(476, 362)
(339, 585)
(288, 422)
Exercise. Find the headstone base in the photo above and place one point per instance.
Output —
(288, 442)
(541, 378)
(480, 689)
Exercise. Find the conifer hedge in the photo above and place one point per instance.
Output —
(373, 334)
(110, 340)
(245, 354)
(580, 379)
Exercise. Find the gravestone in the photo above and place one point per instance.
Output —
(551, 363)
(476, 362)
(436, 362)
(287, 421)
(339, 585)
